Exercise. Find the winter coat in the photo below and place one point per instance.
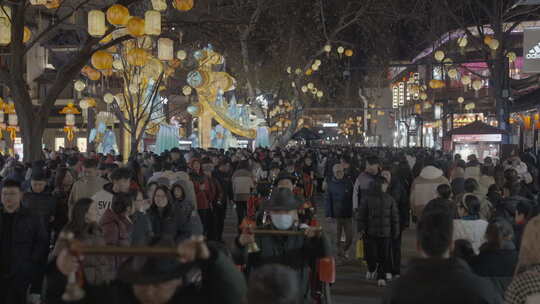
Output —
(116, 231)
(506, 208)
(379, 216)
(61, 216)
(339, 197)
(296, 252)
(201, 186)
(525, 287)
(221, 283)
(41, 204)
(472, 231)
(85, 187)
(225, 181)
(170, 223)
(486, 208)
(361, 185)
(472, 172)
(441, 281)
(189, 189)
(424, 188)
(29, 248)
(104, 199)
(242, 183)
(483, 184)
(496, 265)
(399, 194)
(142, 233)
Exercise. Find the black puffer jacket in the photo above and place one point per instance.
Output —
(340, 197)
(170, 223)
(41, 204)
(378, 216)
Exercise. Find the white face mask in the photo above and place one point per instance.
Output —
(282, 221)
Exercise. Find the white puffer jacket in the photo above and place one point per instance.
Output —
(424, 188)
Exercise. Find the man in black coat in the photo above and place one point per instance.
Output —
(436, 277)
(23, 244)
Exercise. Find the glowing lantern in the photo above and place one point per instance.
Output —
(466, 80)
(327, 48)
(102, 60)
(165, 49)
(152, 23)
(118, 64)
(434, 84)
(439, 55)
(315, 67)
(309, 72)
(298, 71)
(494, 44)
(527, 123)
(38, 2)
(488, 40)
(52, 4)
(137, 57)
(462, 41)
(453, 73)
(96, 23)
(159, 5)
(70, 111)
(477, 84)
(79, 86)
(310, 86)
(293, 84)
(93, 75)
(537, 120)
(304, 89)
(349, 53)
(27, 34)
(13, 120)
(317, 62)
(320, 94)
(118, 15)
(340, 50)
(136, 26)
(423, 96)
(183, 5)
(5, 25)
(181, 54)
(187, 90)
(460, 100)
(289, 70)
(83, 104)
(511, 56)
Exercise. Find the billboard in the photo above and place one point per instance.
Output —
(531, 50)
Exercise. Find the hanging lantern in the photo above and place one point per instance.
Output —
(118, 64)
(317, 62)
(70, 111)
(183, 5)
(477, 84)
(96, 23)
(38, 2)
(27, 34)
(320, 94)
(466, 80)
(187, 90)
(439, 55)
(152, 23)
(327, 48)
(349, 53)
(83, 104)
(293, 84)
(52, 4)
(102, 60)
(79, 85)
(118, 15)
(511, 56)
(537, 121)
(494, 44)
(462, 41)
(108, 98)
(298, 71)
(304, 89)
(309, 72)
(488, 40)
(13, 120)
(182, 55)
(315, 67)
(93, 75)
(453, 73)
(310, 85)
(340, 50)
(136, 26)
(527, 123)
(5, 25)
(159, 5)
(137, 57)
(460, 100)
(165, 49)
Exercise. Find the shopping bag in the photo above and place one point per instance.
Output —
(360, 249)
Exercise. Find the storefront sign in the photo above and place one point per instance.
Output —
(531, 50)
(477, 137)
(330, 125)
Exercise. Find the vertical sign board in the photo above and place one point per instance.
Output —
(531, 50)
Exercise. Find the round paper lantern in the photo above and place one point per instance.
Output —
(137, 57)
(439, 55)
(317, 62)
(310, 85)
(349, 53)
(84, 104)
(320, 94)
(289, 70)
(340, 50)
(309, 72)
(298, 71)
(79, 86)
(494, 44)
(102, 60)
(453, 73)
(27, 34)
(117, 15)
(434, 84)
(304, 89)
(488, 39)
(135, 26)
(511, 56)
(327, 48)
(108, 98)
(183, 5)
(477, 84)
(460, 100)
(466, 80)
(181, 54)
(462, 41)
(315, 67)
(187, 90)
(96, 23)
(152, 23)
(93, 75)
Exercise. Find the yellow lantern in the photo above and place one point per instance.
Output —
(27, 34)
(96, 23)
(187, 90)
(137, 57)
(477, 84)
(434, 84)
(165, 49)
(152, 23)
(488, 40)
(94, 75)
(118, 15)
(159, 5)
(13, 120)
(102, 60)
(309, 72)
(537, 120)
(439, 55)
(466, 80)
(494, 44)
(183, 5)
(453, 73)
(70, 111)
(511, 56)
(52, 4)
(5, 25)
(349, 53)
(136, 26)
(38, 2)
(182, 55)
(462, 41)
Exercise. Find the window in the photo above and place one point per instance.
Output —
(81, 144)
(59, 142)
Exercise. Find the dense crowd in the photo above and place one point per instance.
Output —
(476, 224)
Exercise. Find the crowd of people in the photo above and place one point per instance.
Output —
(476, 224)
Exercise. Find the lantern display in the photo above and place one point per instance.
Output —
(159, 5)
(70, 111)
(511, 56)
(466, 80)
(349, 53)
(152, 23)
(102, 60)
(439, 55)
(137, 57)
(181, 54)
(494, 44)
(320, 94)
(52, 4)
(79, 86)
(136, 26)
(453, 73)
(165, 49)
(309, 72)
(5, 25)
(460, 100)
(183, 5)
(293, 84)
(117, 15)
(304, 89)
(462, 41)
(477, 84)
(187, 90)
(96, 23)
(13, 120)
(340, 50)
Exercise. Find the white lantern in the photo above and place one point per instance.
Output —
(79, 86)
(460, 100)
(304, 89)
(38, 2)
(452, 73)
(96, 23)
(5, 25)
(310, 85)
(315, 67)
(182, 55)
(118, 64)
(340, 50)
(108, 98)
(70, 119)
(439, 55)
(328, 48)
(466, 80)
(293, 84)
(320, 94)
(159, 5)
(477, 84)
(13, 120)
(83, 104)
(187, 90)
(462, 41)
(165, 49)
(289, 70)
(317, 62)
(298, 71)
(152, 23)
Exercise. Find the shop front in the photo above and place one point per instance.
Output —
(476, 138)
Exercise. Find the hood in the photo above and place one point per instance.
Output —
(431, 172)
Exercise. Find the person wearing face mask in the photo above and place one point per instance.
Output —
(298, 252)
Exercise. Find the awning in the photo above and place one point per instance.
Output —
(476, 127)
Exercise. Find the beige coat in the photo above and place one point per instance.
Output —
(424, 188)
(85, 187)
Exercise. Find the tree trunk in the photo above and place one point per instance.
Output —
(134, 146)
(31, 134)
